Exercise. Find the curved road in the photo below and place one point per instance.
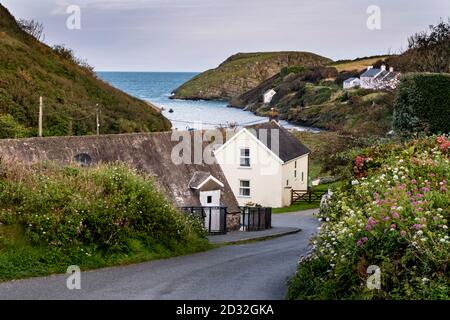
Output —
(256, 270)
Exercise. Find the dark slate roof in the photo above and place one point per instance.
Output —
(391, 76)
(146, 152)
(289, 146)
(350, 79)
(382, 75)
(198, 178)
(371, 73)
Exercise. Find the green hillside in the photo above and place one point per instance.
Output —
(29, 69)
(243, 72)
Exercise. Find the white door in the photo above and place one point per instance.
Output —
(211, 199)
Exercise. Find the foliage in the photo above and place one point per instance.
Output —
(431, 50)
(243, 72)
(30, 69)
(9, 128)
(101, 211)
(394, 215)
(33, 28)
(422, 102)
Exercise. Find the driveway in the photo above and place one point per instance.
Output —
(256, 270)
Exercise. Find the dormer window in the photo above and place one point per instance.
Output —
(245, 157)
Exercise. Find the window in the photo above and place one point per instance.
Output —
(287, 183)
(295, 163)
(303, 176)
(244, 188)
(295, 173)
(245, 157)
(209, 199)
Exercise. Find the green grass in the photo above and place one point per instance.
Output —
(25, 261)
(30, 69)
(297, 207)
(243, 72)
(91, 217)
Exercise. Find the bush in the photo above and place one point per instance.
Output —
(395, 216)
(422, 103)
(106, 208)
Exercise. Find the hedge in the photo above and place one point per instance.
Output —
(422, 103)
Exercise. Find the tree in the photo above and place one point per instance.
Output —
(33, 28)
(430, 51)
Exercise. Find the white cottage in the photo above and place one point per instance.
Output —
(263, 164)
(268, 95)
(351, 83)
(378, 79)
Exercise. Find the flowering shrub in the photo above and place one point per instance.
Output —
(104, 208)
(396, 218)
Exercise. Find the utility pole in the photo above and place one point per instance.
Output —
(98, 119)
(41, 107)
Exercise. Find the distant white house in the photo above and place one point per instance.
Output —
(352, 83)
(263, 164)
(268, 95)
(379, 79)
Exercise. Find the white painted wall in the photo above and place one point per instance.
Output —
(269, 95)
(292, 180)
(264, 172)
(267, 174)
(215, 213)
(215, 194)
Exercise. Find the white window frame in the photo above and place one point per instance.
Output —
(244, 157)
(245, 188)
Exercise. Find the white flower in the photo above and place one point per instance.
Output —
(425, 279)
(444, 227)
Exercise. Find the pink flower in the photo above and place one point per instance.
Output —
(393, 226)
(413, 181)
(403, 233)
(395, 215)
(417, 226)
(425, 189)
(419, 195)
(361, 241)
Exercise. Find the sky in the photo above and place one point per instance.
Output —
(196, 35)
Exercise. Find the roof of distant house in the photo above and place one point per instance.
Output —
(289, 146)
(370, 73)
(350, 80)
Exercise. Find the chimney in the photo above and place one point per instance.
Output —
(391, 69)
(369, 67)
(383, 68)
(273, 115)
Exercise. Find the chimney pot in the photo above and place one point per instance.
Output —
(391, 69)
(383, 68)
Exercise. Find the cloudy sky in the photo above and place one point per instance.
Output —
(195, 35)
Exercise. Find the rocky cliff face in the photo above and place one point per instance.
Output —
(243, 72)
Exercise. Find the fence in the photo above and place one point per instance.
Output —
(306, 195)
(214, 218)
(256, 218)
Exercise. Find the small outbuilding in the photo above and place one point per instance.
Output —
(268, 96)
(352, 83)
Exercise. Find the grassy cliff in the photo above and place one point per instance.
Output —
(29, 69)
(243, 72)
(314, 97)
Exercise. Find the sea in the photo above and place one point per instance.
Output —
(157, 87)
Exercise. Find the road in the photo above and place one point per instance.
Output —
(257, 270)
